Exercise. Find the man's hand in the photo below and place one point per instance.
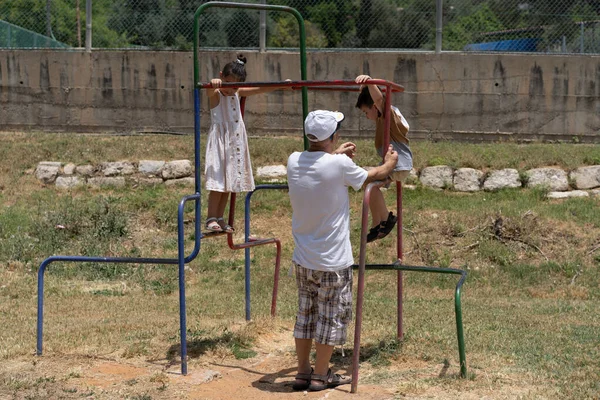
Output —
(348, 149)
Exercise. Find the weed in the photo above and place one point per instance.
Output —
(135, 350)
(144, 396)
(108, 292)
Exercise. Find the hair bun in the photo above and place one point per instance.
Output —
(241, 59)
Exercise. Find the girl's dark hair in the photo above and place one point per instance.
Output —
(236, 68)
(364, 98)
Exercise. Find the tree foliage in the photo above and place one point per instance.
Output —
(329, 23)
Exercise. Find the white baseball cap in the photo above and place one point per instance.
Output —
(321, 124)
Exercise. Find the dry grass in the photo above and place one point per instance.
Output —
(530, 302)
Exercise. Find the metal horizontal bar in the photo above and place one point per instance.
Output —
(399, 267)
(309, 84)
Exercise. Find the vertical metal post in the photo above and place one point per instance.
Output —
(564, 44)
(78, 17)
(182, 307)
(262, 39)
(48, 17)
(438, 25)
(581, 37)
(88, 26)
(400, 288)
(361, 287)
(459, 328)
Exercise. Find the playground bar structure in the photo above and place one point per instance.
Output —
(181, 260)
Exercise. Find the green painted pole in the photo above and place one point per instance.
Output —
(459, 332)
(293, 11)
(457, 303)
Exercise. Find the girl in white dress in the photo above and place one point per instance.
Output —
(228, 167)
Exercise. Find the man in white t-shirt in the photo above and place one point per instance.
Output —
(318, 181)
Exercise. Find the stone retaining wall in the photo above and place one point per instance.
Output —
(153, 172)
(115, 174)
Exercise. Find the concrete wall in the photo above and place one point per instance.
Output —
(450, 96)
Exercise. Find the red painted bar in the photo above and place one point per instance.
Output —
(310, 84)
(400, 328)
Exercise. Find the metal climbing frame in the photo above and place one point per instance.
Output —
(389, 88)
(398, 266)
(182, 259)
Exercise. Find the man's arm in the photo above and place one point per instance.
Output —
(381, 172)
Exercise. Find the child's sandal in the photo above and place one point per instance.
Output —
(225, 227)
(387, 226)
(373, 234)
(212, 224)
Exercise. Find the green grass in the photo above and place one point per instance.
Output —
(529, 304)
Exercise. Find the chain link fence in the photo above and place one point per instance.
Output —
(557, 26)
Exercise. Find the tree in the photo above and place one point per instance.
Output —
(334, 17)
(285, 33)
(464, 30)
(408, 28)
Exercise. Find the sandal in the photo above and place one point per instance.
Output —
(387, 226)
(212, 225)
(373, 233)
(225, 227)
(303, 377)
(329, 381)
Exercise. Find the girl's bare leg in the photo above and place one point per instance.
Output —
(379, 211)
(222, 204)
(214, 200)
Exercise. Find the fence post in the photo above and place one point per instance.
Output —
(88, 26)
(262, 39)
(438, 25)
(582, 34)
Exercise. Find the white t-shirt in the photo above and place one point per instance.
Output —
(318, 185)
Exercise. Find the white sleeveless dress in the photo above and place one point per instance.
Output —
(227, 165)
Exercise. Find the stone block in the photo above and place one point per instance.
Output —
(467, 180)
(438, 177)
(69, 182)
(117, 168)
(554, 179)
(150, 167)
(502, 179)
(586, 177)
(47, 171)
(101, 182)
(177, 169)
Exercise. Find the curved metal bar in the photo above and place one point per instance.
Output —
(361, 282)
(120, 260)
(362, 266)
(457, 299)
(44, 265)
(181, 261)
(344, 84)
(247, 252)
(302, 36)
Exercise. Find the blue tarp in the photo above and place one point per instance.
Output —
(529, 45)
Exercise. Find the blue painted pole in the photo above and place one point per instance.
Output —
(182, 309)
(247, 254)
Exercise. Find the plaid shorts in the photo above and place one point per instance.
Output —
(324, 305)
